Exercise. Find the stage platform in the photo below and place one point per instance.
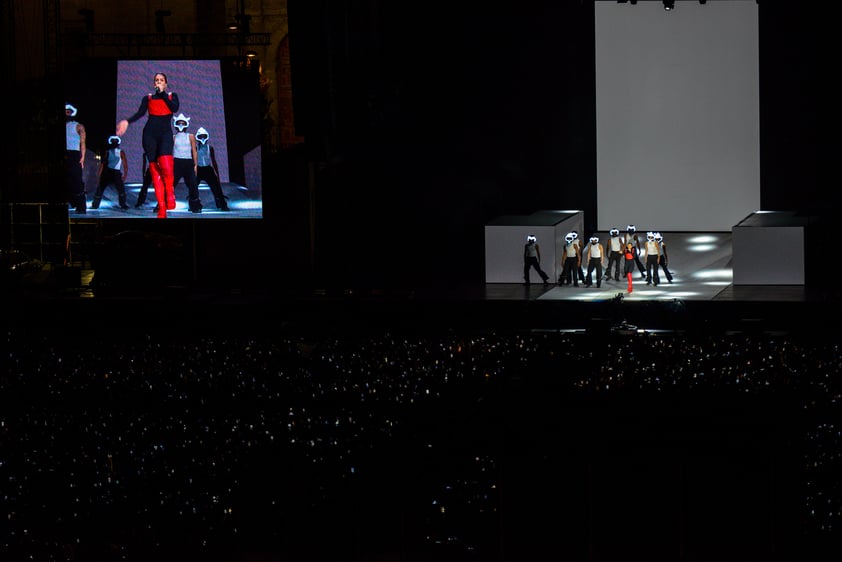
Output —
(242, 202)
(700, 264)
(702, 296)
(770, 248)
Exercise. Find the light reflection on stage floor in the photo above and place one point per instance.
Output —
(244, 203)
(699, 262)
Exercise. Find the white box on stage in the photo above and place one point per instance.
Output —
(768, 248)
(505, 238)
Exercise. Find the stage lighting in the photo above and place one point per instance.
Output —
(669, 5)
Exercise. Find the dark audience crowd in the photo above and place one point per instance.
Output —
(386, 446)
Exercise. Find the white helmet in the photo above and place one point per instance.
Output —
(73, 111)
(594, 239)
(569, 238)
(202, 135)
(614, 232)
(650, 235)
(531, 238)
(658, 236)
(630, 228)
(181, 122)
(114, 139)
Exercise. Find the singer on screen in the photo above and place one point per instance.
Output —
(158, 139)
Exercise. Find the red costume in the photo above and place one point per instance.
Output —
(629, 254)
(158, 144)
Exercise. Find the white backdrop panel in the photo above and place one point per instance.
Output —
(677, 112)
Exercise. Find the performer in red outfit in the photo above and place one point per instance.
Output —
(158, 139)
(629, 255)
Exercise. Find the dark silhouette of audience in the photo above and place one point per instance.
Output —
(356, 447)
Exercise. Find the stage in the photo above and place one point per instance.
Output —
(702, 269)
(242, 202)
(699, 262)
(702, 295)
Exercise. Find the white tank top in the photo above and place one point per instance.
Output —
(531, 251)
(113, 160)
(74, 141)
(203, 154)
(181, 146)
(593, 250)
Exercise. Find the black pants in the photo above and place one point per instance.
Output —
(594, 263)
(144, 188)
(208, 175)
(183, 168)
(639, 265)
(652, 269)
(614, 258)
(570, 271)
(662, 261)
(110, 177)
(533, 263)
(75, 184)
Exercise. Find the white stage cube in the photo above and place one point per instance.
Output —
(768, 248)
(505, 238)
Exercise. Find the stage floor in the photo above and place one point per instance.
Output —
(244, 203)
(702, 292)
(700, 264)
(702, 288)
(702, 271)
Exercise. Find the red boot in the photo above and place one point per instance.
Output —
(165, 163)
(160, 193)
(629, 275)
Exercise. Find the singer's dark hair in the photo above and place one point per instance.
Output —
(164, 75)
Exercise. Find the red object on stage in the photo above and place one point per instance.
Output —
(166, 165)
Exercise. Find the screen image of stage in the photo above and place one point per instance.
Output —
(219, 95)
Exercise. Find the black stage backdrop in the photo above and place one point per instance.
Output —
(432, 121)
(426, 122)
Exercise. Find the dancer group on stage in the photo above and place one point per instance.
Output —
(170, 157)
(626, 250)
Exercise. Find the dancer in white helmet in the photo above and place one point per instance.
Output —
(208, 171)
(595, 255)
(532, 260)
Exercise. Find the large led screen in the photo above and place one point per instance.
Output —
(219, 99)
